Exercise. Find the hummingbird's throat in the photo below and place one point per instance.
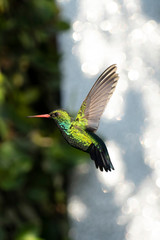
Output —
(64, 125)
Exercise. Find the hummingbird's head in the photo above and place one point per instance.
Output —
(61, 117)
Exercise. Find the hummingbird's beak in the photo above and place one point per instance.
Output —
(40, 116)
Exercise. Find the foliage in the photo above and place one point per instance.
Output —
(34, 160)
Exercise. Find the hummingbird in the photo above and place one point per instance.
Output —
(80, 132)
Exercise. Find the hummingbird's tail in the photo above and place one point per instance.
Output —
(99, 153)
(101, 158)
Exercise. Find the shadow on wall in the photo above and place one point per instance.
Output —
(127, 134)
(151, 9)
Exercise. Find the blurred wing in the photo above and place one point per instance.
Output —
(94, 104)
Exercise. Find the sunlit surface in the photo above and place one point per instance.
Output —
(104, 33)
(77, 209)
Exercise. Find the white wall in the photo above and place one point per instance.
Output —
(123, 204)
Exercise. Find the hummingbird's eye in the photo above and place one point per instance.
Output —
(56, 114)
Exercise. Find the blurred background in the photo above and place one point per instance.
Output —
(34, 160)
(51, 52)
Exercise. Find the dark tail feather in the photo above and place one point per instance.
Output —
(101, 158)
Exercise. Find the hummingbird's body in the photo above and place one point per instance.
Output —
(73, 131)
(77, 136)
(79, 133)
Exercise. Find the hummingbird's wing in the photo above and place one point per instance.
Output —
(94, 104)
